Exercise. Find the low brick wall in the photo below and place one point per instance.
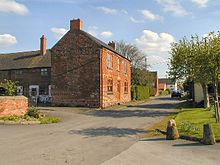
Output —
(13, 105)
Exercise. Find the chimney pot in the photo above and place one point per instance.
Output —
(112, 44)
(43, 45)
(76, 24)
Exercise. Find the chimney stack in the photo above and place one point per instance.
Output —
(112, 44)
(43, 47)
(76, 24)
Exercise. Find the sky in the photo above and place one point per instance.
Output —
(151, 25)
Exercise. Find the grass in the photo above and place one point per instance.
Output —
(49, 120)
(42, 120)
(190, 122)
(32, 115)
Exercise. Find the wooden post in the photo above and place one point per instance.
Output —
(208, 135)
(172, 132)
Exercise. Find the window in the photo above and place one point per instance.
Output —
(44, 72)
(125, 68)
(118, 64)
(18, 72)
(126, 87)
(110, 63)
(110, 86)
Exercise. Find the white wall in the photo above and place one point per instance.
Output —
(198, 93)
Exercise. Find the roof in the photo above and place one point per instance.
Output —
(101, 43)
(165, 80)
(25, 60)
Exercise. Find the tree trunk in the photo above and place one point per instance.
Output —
(205, 95)
(216, 101)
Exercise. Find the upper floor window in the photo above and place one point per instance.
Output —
(118, 64)
(125, 68)
(110, 62)
(18, 72)
(44, 72)
(126, 87)
(110, 86)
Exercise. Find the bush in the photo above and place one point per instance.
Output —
(164, 93)
(152, 91)
(33, 112)
(168, 91)
(140, 92)
(10, 87)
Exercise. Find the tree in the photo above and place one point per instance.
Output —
(198, 60)
(139, 73)
(10, 87)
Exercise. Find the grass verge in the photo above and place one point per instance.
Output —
(190, 123)
(33, 116)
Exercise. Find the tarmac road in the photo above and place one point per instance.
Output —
(84, 136)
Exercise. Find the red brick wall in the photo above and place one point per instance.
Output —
(13, 105)
(116, 76)
(75, 71)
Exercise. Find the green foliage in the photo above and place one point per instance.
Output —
(33, 112)
(140, 92)
(152, 91)
(32, 115)
(10, 87)
(196, 117)
(187, 128)
(168, 91)
(49, 120)
(133, 92)
(164, 93)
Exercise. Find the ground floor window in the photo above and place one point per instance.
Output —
(110, 86)
(125, 87)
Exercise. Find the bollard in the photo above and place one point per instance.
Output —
(172, 132)
(208, 135)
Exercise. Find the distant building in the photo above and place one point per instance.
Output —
(165, 83)
(79, 70)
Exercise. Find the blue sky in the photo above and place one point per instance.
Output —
(149, 24)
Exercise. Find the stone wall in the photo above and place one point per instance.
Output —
(13, 106)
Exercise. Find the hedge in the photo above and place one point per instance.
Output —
(139, 92)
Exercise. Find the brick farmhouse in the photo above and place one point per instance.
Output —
(79, 70)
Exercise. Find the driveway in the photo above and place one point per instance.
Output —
(84, 136)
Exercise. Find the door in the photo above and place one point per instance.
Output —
(118, 90)
(34, 92)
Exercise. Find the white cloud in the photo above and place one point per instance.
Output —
(93, 30)
(173, 6)
(149, 15)
(107, 10)
(13, 6)
(124, 11)
(201, 3)
(58, 32)
(106, 34)
(135, 20)
(7, 40)
(154, 43)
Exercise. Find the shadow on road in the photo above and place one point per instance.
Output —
(157, 106)
(108, 131)
(189, 145)
(129, 113)
(154, 139)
